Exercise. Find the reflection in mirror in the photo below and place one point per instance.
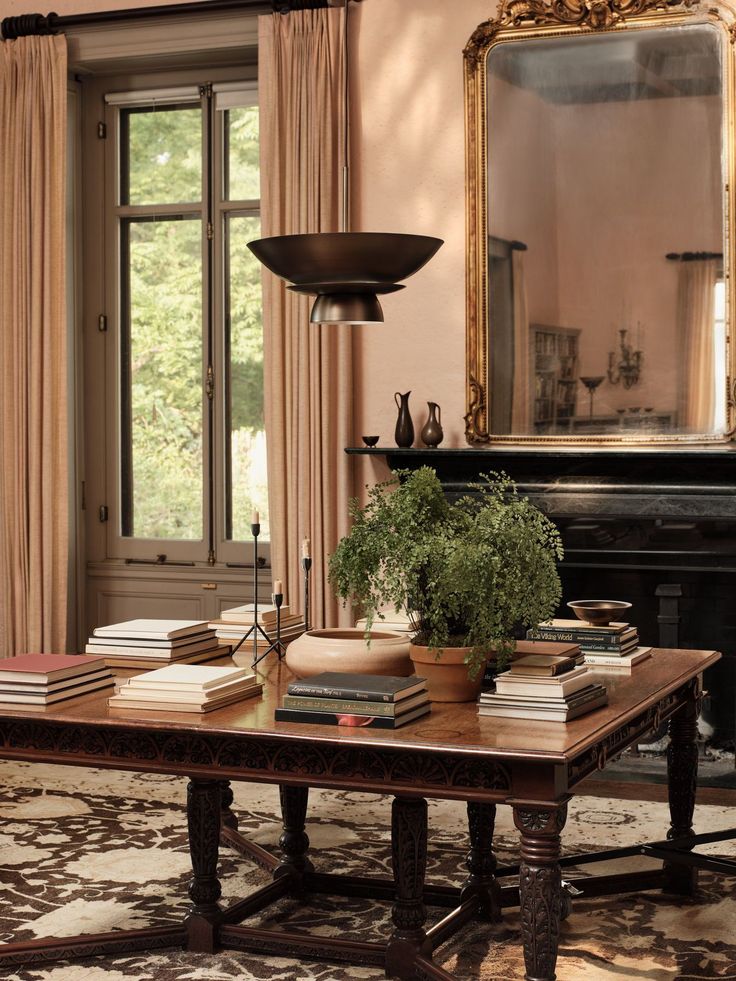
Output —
(605, 160)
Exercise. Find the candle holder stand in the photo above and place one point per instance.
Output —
(257, 629)
(306, 566)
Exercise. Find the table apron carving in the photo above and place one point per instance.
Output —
(258, 760)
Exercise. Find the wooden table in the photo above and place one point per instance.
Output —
(453, 753)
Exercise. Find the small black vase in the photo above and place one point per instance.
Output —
(404, 434)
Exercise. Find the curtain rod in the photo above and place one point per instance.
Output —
(692, 256)
(27, 24)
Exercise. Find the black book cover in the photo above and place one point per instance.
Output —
(365, 687)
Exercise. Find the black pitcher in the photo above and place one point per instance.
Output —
(404, 434)
(432, 434)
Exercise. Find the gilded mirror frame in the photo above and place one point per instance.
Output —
(524, 20)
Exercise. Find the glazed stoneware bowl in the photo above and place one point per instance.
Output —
(346, 649)
(599, 612)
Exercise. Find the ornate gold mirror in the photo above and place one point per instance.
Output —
(599, 166)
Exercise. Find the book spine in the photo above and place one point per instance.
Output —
(318, 691)
(339, 705)
(617, 661)
(329, 719)
(613, 649)
(584, 638)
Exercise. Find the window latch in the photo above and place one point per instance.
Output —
(210, 383)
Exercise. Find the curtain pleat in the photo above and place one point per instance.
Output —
(696, 345)
(521, 406)
(308, 370)
(33, 356)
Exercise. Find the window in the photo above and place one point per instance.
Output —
(186, 443)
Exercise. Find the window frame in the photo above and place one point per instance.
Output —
(213, 549)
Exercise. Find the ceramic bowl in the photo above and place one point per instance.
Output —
(599, 612)
(370, 440)
(346, 649)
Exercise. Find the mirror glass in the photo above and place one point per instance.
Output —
(605, 178)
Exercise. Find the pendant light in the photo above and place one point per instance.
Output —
(346, 270)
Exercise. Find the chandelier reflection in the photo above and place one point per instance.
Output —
(624, 365)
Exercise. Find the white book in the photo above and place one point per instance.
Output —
(549, 680)
(152, 629)
(186, 696)
(161, 653)
(515, 685)
(177, 643)
(625, 663)
(191, 676)
(208, 705)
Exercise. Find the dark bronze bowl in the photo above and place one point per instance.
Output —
(598, 612)
(370, 440)
(352, 260)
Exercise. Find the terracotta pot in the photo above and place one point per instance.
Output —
(346, 649)
(447, 676)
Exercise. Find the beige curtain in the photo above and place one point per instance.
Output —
(308, 369)
(695, 338)
(521, 405)
(33, 392)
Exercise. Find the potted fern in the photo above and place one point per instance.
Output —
(471, 572)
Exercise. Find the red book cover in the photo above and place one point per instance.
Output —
(48, 666)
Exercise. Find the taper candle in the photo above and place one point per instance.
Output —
(305, 549)
(255, 518)
(277, 587)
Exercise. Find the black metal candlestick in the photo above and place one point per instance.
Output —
(276, 645)
(306, 566)
(256, 628)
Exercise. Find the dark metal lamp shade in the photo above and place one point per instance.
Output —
(346, 270)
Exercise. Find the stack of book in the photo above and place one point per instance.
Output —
(186, 688)
(336, 699)
(549, 688)
(615, 645)
(235, 623)
(45, 679)
(154, 643)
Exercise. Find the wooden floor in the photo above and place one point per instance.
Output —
(630, 790)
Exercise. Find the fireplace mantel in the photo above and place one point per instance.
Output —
(637, 524)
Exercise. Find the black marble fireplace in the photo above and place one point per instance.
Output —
(656, 527)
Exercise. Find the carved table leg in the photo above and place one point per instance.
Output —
(228, 818)
(540, 885)
(294, 841)
(203, 817)
(409, 857)
(481, 862)
(682, 774)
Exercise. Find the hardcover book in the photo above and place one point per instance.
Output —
(192, 677)
(50, 667)
(18, 696)
(345, 719)
(152, 629)
(563, 685)
(540, 664)
(550, 648)
(151, 705)
(364, 687)
(543, 714)
(355, 706)
(625, 663)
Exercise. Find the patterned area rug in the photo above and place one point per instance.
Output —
(98, 850)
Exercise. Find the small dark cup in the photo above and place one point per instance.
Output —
(370, 440)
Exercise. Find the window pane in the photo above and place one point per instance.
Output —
(161, 383)
(242, 180)
(245, 438)
(161, 155)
